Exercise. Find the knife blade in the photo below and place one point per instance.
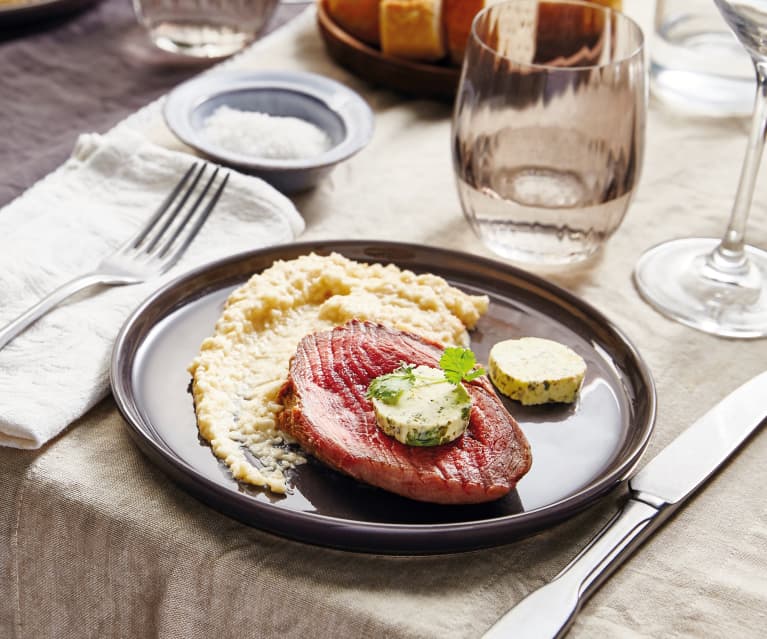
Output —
(655, 493)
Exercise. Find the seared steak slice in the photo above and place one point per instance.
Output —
(327, 412)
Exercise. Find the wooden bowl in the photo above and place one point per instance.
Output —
(413, 78)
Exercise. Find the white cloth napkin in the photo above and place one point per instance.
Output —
(63, 226)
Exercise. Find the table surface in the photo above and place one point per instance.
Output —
(98, 543)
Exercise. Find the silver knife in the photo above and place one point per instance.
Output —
(655, 492)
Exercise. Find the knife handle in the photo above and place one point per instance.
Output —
(549, 611)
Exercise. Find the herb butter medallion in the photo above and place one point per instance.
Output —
(422, 405)
(534, 370)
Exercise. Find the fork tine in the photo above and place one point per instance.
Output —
(172, 257)
(149, 248)
(147, 228)
(180, 227)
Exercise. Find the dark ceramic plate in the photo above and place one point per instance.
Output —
(28, 11)
(419, 79)
(580, 452)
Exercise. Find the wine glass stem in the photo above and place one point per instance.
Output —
(729, 257)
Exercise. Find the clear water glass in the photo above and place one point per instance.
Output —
(697, 65)
(719, 286)
(549, 127)
(203, 28)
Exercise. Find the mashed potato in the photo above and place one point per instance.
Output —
(240, 369)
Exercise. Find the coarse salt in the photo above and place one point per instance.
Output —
(265, 136)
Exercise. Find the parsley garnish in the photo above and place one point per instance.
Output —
(459, 365)
(389, 388)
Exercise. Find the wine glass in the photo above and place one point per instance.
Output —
(718, 286)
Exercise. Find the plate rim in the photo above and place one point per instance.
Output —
(15, 13)
(212, 492)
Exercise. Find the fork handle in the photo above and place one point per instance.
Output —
(30, 316)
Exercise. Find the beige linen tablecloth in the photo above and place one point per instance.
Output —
(103, 545)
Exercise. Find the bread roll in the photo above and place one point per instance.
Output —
(458, 15)
(359, 18)
(412, 29)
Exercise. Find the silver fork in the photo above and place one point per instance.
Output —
(157, 246)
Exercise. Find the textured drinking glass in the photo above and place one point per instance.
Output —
(548, 128)
(203, 28)
(719, 286)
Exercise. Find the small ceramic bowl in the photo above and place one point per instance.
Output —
(340, 112)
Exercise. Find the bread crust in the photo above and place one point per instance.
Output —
(359, 18)
(412, 29)
(458, 16)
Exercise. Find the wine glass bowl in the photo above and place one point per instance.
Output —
(548, 128)
(718, 286)
(748, 21)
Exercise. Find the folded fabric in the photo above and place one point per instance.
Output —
(62, 227)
